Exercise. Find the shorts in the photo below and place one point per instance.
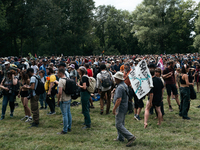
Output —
(24, 93)
(157, 103)
(171, 88)
(138, 103)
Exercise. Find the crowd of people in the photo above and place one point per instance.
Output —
(47, 79)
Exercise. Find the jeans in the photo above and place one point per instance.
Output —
(11, 99)
(43, 98)
(185, 101)
(119, 123)
(85, 96)
(67, 117)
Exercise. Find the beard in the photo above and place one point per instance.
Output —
(127, 70)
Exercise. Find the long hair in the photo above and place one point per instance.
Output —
(24, 76)
(183, 70)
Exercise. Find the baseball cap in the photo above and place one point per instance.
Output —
(6, 63)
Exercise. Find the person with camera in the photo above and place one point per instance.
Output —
(33, 96)
(9, 94)
(24, 94)
(51, 90)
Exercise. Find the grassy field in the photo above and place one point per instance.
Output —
(174, 133)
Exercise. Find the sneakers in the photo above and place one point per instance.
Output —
(51, 113)
(24, 118)
(92, 107)
(101, 112)
(11, 115)
(29, 120)
(130, 112)
(137, 117)
(2, 117)
(41, 108)
(198, 106)
(130, 141)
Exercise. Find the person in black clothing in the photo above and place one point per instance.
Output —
(155, 98)
(185, 92)
(85, 96)
(117, 66)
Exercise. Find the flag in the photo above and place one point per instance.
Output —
(141, 79)
(160, 64)
(35, 56)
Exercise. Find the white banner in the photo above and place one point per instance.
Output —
(141, 79)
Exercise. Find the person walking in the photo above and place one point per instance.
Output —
(120, 109)
(64, 101)
(104, 85)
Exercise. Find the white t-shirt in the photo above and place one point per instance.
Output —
(35, 68)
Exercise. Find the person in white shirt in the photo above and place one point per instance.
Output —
(35, 67)
(102, 89)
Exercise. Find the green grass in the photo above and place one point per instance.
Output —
(174, 133)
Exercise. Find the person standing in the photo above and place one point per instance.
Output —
(120, 109)
(35, 67)
(42, 98)
(34, 97)
(44, 66)
(24, 94)
(185, 92)
(155, 98)
(49, 84)
(170, 80)
(85, 95)
(102, 90)
(64, 101)
(7, 85)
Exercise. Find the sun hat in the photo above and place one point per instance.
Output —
(72, 66)
(6, 63)
(119, 75)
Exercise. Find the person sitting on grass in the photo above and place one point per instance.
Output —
(120, 109)
(155, 99)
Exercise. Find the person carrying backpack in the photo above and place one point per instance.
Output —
(51, 90)
(85, 95)
(33, 96)
(104, 85)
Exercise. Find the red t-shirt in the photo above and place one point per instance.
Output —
(89, 73)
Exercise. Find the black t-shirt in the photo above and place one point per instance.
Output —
(157, 90)
(84, 80)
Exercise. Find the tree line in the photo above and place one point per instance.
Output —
(77, 27)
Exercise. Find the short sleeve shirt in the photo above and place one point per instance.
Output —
(84, 80)
(62, 84)
(121, 93)
(34, 80)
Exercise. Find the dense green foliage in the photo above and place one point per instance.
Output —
(76, 27)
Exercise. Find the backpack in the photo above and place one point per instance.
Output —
(77, 94)
(92, 84)
(106, 80)
(40, 87)
(70, 86)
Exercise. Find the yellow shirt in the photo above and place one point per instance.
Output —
(50, 79)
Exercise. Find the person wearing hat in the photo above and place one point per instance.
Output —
(171, 86)
(8, 68)
(120, 109)
(73, 72)
(63, 66)
(44, 66)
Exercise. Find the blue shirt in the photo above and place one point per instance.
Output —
(43, 68)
